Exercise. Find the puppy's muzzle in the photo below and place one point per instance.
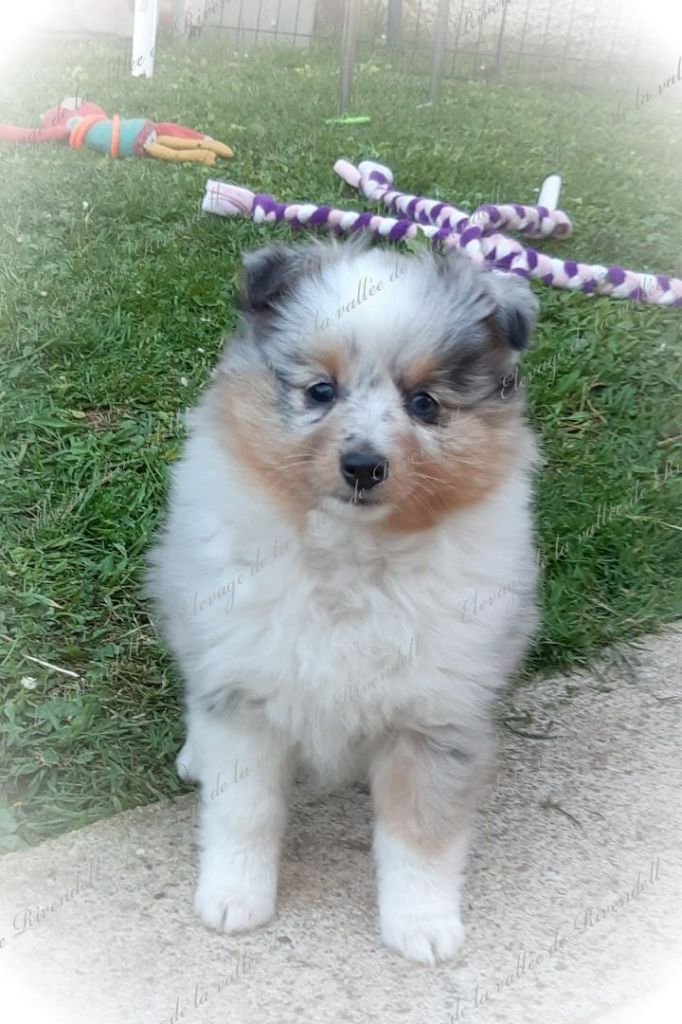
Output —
(363, 469)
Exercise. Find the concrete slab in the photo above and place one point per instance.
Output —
(573, 905)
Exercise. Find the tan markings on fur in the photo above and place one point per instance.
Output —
(333, 358)
(420, 371)
(244, 406)
(479, 447)
(416, 796)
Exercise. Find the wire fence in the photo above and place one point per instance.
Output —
(580, 43)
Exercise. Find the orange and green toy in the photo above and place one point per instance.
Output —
(85, 125)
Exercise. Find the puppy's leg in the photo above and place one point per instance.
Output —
(245, 772)
(185, 763)
(423, 787)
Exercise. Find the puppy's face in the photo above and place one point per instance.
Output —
(374, 384)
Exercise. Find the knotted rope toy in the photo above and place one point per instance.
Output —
(86, 124)
(477, 235)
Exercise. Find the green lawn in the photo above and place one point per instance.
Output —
(115, 294)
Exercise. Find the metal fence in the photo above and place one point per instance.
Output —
(582, 43)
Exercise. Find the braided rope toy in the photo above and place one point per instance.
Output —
(477, 234)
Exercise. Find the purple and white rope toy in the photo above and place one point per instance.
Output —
(477, 234)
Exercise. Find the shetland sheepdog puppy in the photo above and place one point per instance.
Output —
(347, 572)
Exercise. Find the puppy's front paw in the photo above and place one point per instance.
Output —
(186, 765)
(428, 939)
(226, 908)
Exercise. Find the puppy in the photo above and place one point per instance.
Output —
(347, 573)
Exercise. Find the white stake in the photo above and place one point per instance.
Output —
(144, 37)
(549, 193)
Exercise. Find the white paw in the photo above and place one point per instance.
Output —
(428, 939)
(185, 764)
(232, 910)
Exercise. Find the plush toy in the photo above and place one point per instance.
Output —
(477, 234)
(86, 124)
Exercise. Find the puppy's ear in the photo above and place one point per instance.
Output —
(267, 276)
(516, 308)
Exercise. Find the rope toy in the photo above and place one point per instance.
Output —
(87, 125)
(477, 234)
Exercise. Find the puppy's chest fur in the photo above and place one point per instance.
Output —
(336, 638)
(346, 638)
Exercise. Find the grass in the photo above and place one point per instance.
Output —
(116, 294)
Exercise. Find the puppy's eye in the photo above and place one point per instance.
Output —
(423, 406)
(322, 392)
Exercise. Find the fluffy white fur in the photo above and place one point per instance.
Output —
(343, 647)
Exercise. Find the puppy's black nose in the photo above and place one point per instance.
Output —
(364, 469)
